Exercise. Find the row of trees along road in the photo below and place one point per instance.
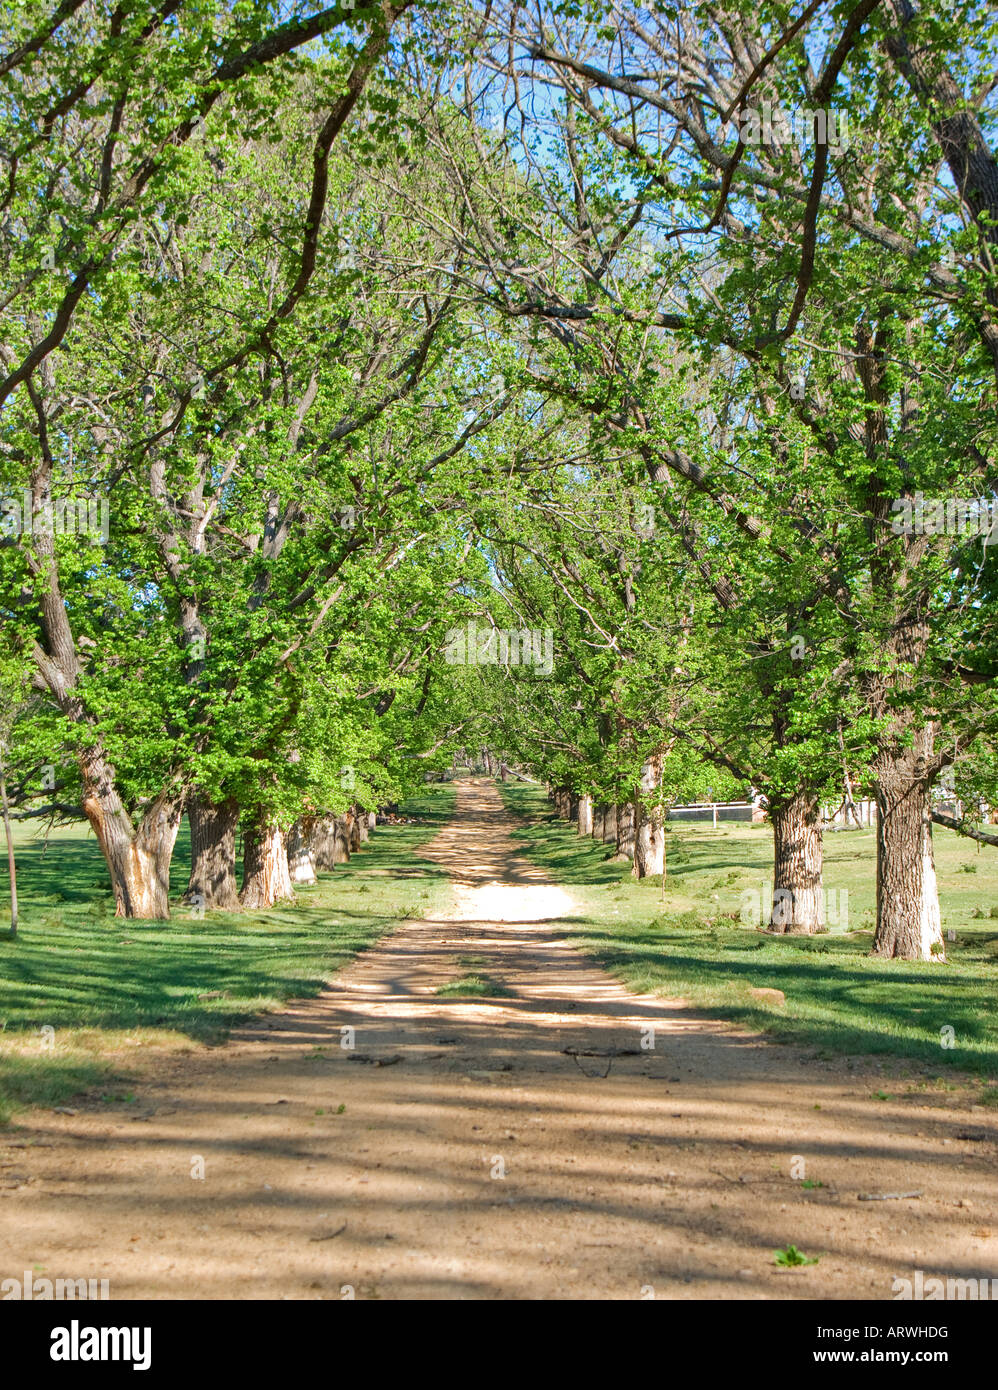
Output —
(785, 341)
(272, 413)
(370, 322)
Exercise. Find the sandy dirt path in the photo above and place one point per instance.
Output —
(520, 1146)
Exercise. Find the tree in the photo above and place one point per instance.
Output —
(734, 273)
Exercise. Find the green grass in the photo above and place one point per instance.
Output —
(46, 1079)
(472, 986)
(101, 987)
(475, 983)
(838, 998)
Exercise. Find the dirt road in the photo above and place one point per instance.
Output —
(532, 1144)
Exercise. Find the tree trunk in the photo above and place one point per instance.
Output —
(908, 921)
(266, 877)
(610, 824)
(322, 841)
(649, 838)
(138, 859)
(341, 841)
(798, 903)
(213, 853)
(585, 814)
(649, 848)
(624, 842)
(573, 806)
(372, 820)
(353, 830)
(363, 826)
(301, 866)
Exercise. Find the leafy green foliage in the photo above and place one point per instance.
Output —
(792, 1258)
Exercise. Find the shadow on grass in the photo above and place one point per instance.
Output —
(74, 966)
(873, 1008)
(838, 998)
(547, 840)
(47, 1079)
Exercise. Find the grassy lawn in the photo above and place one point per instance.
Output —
(693, 944)
(80, 989)
(474, 983)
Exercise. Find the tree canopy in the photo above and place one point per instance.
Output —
(610, 387)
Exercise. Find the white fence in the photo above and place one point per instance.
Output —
(834, 816)
(866, 809)
(715, 811)
(749, 811)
